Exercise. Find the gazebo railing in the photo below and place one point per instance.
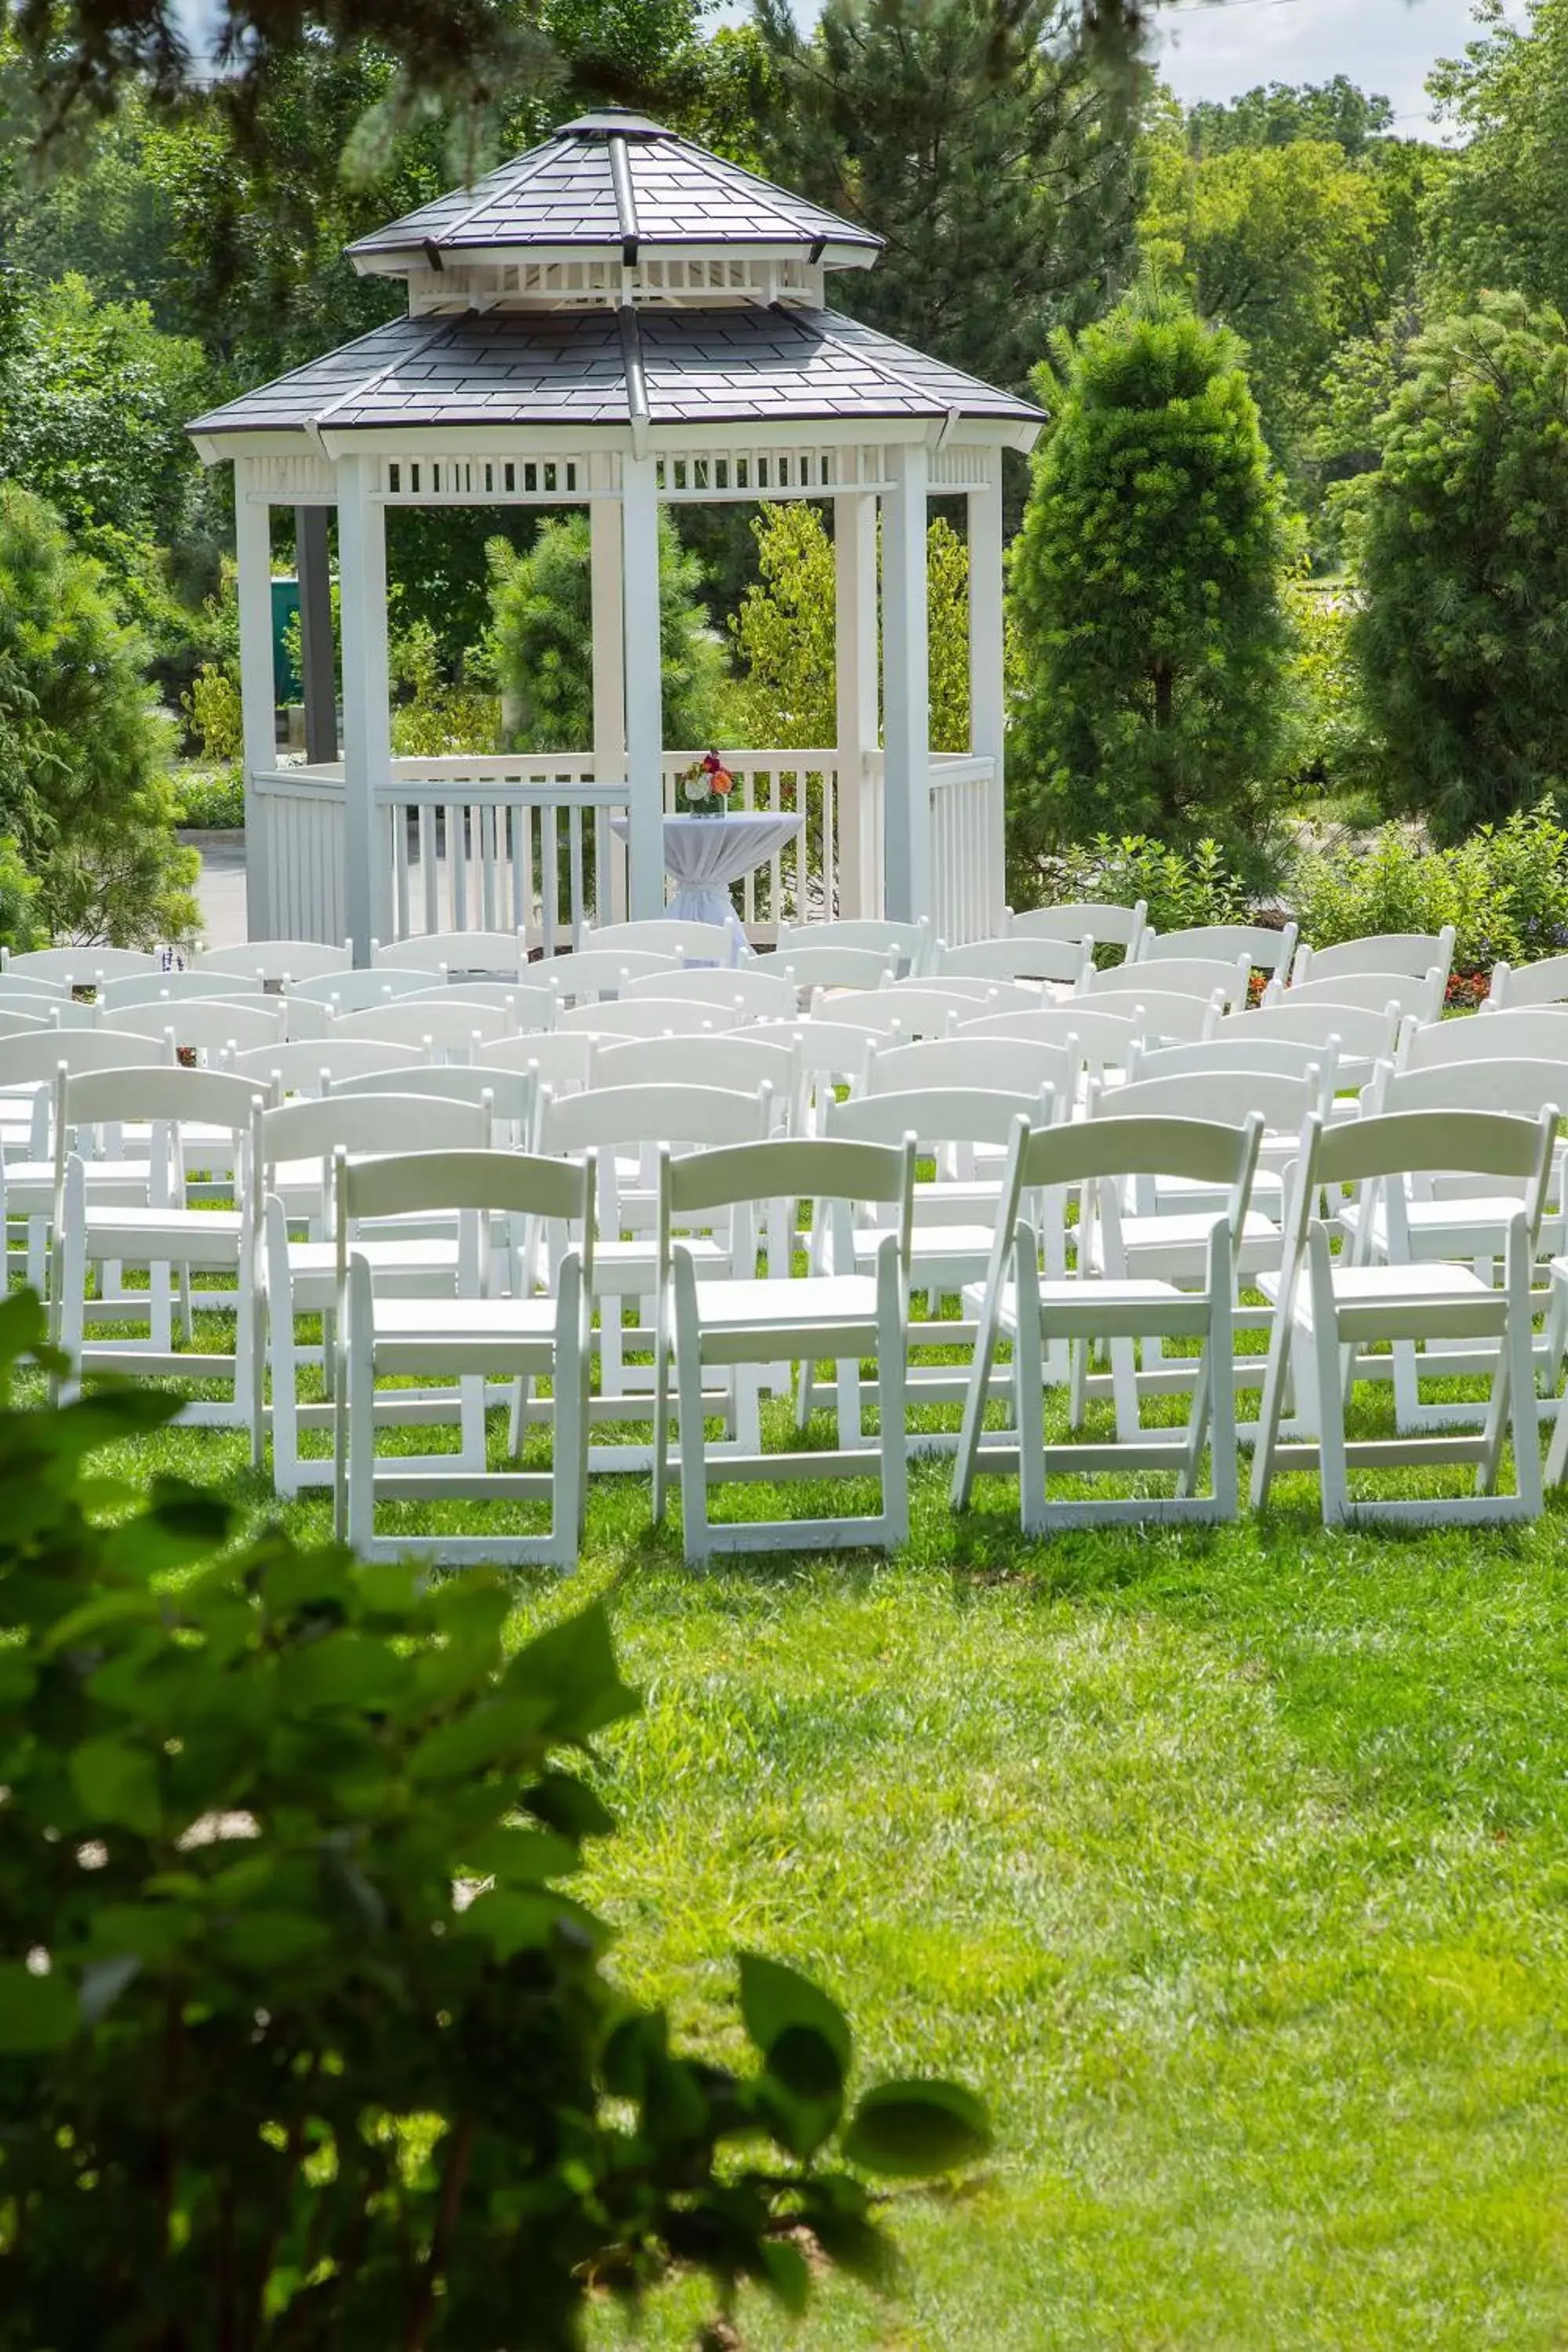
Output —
(800, 883)
(968, 875)
(496, 844)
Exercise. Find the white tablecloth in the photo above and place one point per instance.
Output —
(705, 854)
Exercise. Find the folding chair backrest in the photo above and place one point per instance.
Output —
(733, 1060)
(448, 1023)
(1266, 950)
(649, 1016)
(665, 935)
(822, 963)
(378, 1123)
(1374, 990)
(74, 1013)
(1197, 976)
(351, 992)
(1159, 1013)
(526, 1007)
(935, 1115)
(743, 989)
(606, 1117)
(908, 944)
(1077, 919)
(13, 1024)
(1407, 954)
(80, 967)
(1103, 1033)
(1226, 1096)
(1209, 1151)
(973, 995)
(291, 960)
(501, 954)
(309, 1066)
(33, 1061)
(511, 1096)
(1283, 1057)
(1520, 1031)
(1433, 1142)
(811, 1168)
(1520, 1087)
(600, 972)
(996, 1064)
(829, 1049)
(926, 1009)
(157, 1091)
(18, 987)
(1360, 1033)
(207, 1026)
(1019, 957)
(513, 1184)
(1529, 983)
(560, 1059)
(174, 987)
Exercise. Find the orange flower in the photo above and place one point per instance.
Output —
(722, 781)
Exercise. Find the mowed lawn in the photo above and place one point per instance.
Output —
(1230, 1866)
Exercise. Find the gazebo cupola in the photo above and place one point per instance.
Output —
(618, 318)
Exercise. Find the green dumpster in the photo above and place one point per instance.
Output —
(285, 609)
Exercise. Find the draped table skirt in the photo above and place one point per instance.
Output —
(704, 854)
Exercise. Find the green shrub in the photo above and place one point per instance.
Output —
(212, 706)
(434, 714)
(1181, 888)
(211, 804)
(1334, 753)
(1505, 889)
(1356, 884)
(301, 2044)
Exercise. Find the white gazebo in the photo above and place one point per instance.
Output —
(615, 319)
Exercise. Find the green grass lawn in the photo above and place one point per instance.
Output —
(1230, 1866)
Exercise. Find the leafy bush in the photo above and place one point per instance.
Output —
(1333, 753)
(210, 803)
(1505, 889)
(1181, 888)
(1357, 884)
(300, 2042)
(85, 789)
(212, 705)
(436, 714)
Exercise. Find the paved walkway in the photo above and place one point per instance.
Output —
(221, 887)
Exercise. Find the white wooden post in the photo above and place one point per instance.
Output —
(257, 691)
(367, 717)
(906, 691)
(987, 704)
(644, 687)
(860, 876)
(608, 633)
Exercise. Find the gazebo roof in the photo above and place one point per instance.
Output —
(613, 182)
(604, 368)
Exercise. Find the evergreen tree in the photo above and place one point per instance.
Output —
(1463, 641)
(979, 139)
(1146, 592)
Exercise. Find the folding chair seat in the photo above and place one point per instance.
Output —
(596, 973)
(1411, 955)
(625, 1127)
(466, 1340)
(1107, 925)
(457, 955)
(294, 1151)
(717, 1325)
(1099, 1157)
(955, 1220)
(276, 960)
(1331, 1312)
(739, 1061)
(161, 1232)
(1266, 949)
(1064, 963)
(1195, 976)
(747, 992)
(907, 947)
(647, 1016)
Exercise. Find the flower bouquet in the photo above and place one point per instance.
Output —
(707, 786)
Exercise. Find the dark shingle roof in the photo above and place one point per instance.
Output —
(716, 367)
(617, 182)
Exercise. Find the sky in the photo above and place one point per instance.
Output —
(1227, 46)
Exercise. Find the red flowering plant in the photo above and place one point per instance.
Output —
(706, 785)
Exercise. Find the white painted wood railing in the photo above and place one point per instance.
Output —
(968, 868)
(801, 884)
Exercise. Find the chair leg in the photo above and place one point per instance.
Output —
(1519, 1357)
(471, 1445)
(847, 1388)
(1223, 1478)
(803, 1395)
(974, 1399)
(517, 1415)
(660, 1410)
(1332, 1390)
(1124, 1391)
(1029, 1389)
(359, 1406)
(570, 1448)
(892, 1366)
(689, 1394)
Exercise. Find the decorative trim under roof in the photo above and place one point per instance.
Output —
(613, 182)
(627, 369)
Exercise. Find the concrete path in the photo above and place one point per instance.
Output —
(221, 886)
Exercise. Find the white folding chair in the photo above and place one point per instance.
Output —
(596, 972)
(1517, 985)
(560, 1060)
(1408, 955)
(738, 1060)
(214, 1027)
(163, 1232)
(721, 1325)
(907, 947)
(1102, 1039)
(1420, 998)
(811, 965)
(13, 1024)
(312, 1066)
(448, 1025)
(1020, 956)
(1200, 977)
(1330, 1312)
(295, 1145)
(1281, 1058)
(29, 1067)
(972, 996)
(1101, 1300)
(665, 935)
(1358, 1036)
(1171, 1017)
(1107, 925)
(497, 955)
(138, 989)
(747, 992)
(906, 1011)
(526, 1007)
(464, 1339)
(996, 1065)
(80, 967)
(624, 1129)
(18, 987)
(1521, 1033)
(831, 1054)
(1266, 949)
(647, 1016)
(351, 992)
(275, 960)
(509, 1097)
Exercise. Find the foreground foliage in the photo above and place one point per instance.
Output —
(303, 2044)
